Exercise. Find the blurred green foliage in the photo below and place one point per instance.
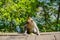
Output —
(14, 13)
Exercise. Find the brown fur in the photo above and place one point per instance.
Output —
(31, 26)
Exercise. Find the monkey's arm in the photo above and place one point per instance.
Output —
(25, 29)
(36, 28)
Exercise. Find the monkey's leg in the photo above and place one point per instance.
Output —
(36, 31)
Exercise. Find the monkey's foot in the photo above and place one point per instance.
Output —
(32, 34)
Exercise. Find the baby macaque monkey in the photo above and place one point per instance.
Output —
(31, 27)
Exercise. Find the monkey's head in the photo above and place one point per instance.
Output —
(29, 20)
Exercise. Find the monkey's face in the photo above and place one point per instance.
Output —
(30, 20)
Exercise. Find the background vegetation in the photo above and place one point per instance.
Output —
(13, 14)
